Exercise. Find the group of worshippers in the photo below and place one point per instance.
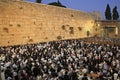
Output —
(60, 60)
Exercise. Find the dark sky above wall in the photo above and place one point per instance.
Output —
(87, 5)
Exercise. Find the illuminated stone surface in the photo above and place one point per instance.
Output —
(27, 22)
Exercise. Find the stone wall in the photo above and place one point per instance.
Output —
(25, 22)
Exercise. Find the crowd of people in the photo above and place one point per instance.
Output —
(61, 60)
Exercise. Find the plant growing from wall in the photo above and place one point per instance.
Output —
(67, 25)
(59, 37)
(6, 29)
(34, 23)
(72, 15)
(30, 40)
(18, 25)
(71, 30)
(80, 28)
(12, 34)
(46, 37)
(21, 7)
(88, 33)
(63, 27)
(10, 25)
